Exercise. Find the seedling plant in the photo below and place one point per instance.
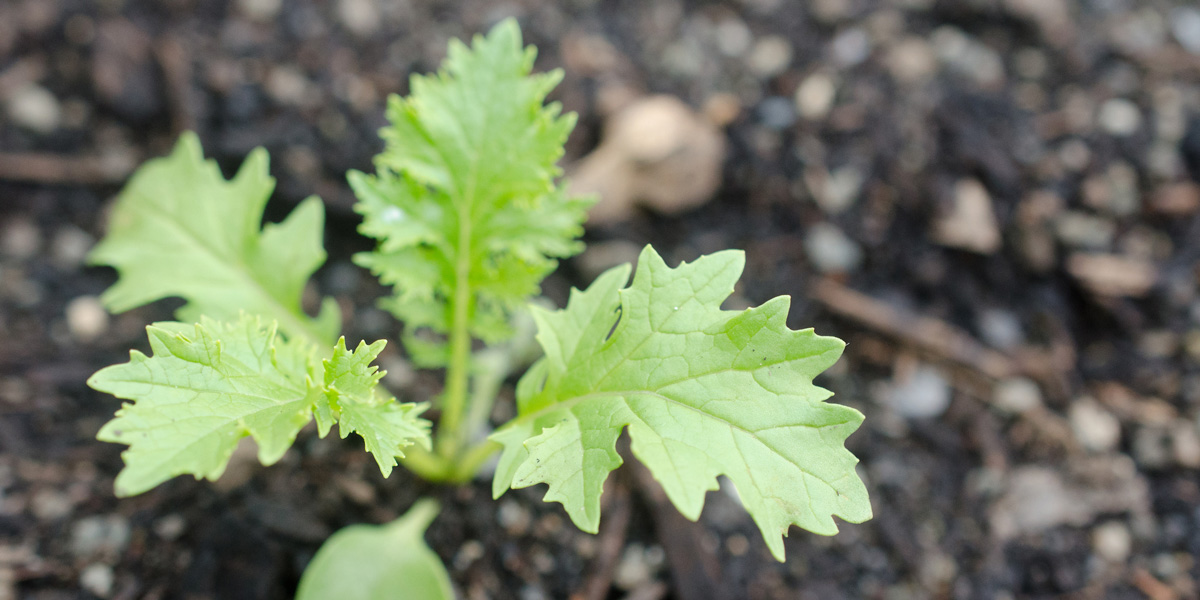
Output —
(470, 213)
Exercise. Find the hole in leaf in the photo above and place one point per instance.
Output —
(619, 311)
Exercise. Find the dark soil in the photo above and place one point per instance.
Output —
(1030, 370)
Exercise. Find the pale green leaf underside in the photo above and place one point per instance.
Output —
(208, 385)
(465, 190)
(703, 391)
(180, 229)
(379, 562)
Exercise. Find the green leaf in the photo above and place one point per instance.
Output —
(210, 384)
(180, 229)
(465, 194)
(206, 387)
(379, 562)
(703, 391)
(386, 426)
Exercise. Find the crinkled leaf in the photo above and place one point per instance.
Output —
(703, 391)
(179, 228)
(379, 562)
(465, 192)
(206, 387)
(385, 425)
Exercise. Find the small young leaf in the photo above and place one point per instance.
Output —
(703, 391)
(385, 425)
(465, 194)
(206, 387)
(376, 562)
(180, 229)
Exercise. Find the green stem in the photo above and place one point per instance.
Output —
(458, 372)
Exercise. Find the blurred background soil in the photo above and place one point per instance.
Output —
(993, 201)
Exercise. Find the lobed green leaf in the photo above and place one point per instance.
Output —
(210, 384)
(703, 392)
(465, 191)
(179, 228)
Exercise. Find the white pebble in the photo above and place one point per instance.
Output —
(361, 17)
(33, 107)
(98, 579)
(1016, 395)
(771, 56)
(830, 250)
(1120, 117)
(1112, 541)
(924, 394)
(815, 95)
(86, 318)
(262, 11)
(1096, 429)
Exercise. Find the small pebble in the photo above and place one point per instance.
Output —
(532, 592)
(33, 107)
(912, 61)
(924, 394)
(776, 112)
(1152, 447)
(830, 250)
(1185, 25)
(86, 318)
(106, 535)
(850, 47)
(1083, 230)
(737, 544)
(841, 188)
(1016, 395)
(71, 245)
(636, 567)
(770, 56)
(1119, 117)
(361, 17)
(1185, 444)
(733, 37)
(1095, 428)
(469, 552)
(830, 12)
(1001, 329)
(262, 11)
(97, 578)
(1112, 541)
(1075, 155)
(815, 96)
(21, 239)
(513, 517)
(288, 86)
(48, 504)
(170, 527)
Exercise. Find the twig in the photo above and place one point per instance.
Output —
(695, 572)
(58, 169)
(925, 333)
(613, 528)
(177, 70)
(1152, 587)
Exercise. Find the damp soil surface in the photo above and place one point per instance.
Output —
(993, 201)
